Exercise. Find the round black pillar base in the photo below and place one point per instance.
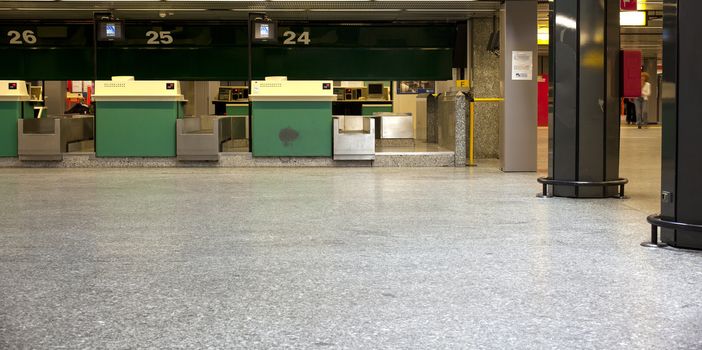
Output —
(546, 182)
(656, 221)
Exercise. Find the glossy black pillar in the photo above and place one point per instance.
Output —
(584, 128)
(682, 121)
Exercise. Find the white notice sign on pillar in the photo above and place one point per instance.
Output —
(522, 65)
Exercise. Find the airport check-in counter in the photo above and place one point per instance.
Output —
(354, 138)
(14, 105)
(201, 138)
(49, 138)
(137, 118)
(394, 125)
(291, 118)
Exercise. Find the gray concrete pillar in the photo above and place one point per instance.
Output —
(682, 124)
(584, 130)
(518, 112)
(461, 110)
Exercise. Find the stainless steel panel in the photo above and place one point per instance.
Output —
(354, 138)
(395, 125)
(446, 121)
(422, 125)
(200, 138)
(49, 138)
(39, 139)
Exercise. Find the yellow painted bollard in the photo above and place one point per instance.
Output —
(471, 125)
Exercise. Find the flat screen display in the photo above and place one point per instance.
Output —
(264, 31)
(110, 31)
(375, 89)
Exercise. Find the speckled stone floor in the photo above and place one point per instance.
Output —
(330, 258)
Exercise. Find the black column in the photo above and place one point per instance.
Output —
(584, 129)
(682, 121)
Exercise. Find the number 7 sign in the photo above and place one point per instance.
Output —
(628, 5)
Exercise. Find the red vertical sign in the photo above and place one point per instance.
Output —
(628, 5)
(543, 100)
(631, 73)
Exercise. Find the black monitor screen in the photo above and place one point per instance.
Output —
(375, 89)
(264, 31)
(110, 31)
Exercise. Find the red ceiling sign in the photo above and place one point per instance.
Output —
(628, 5)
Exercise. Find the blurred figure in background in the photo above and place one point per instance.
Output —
(630, 110)
(642, 102)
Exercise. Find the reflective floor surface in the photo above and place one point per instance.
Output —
(354, 258)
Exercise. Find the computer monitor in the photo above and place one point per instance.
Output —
(375, 90)
(264, 31)
(110, 30)
(35, 93)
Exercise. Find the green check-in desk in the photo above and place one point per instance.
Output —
(14, 105)
(291, 118)
(136, 118)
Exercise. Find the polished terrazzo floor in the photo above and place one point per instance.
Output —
(355, 258)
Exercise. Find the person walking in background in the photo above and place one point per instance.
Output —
(642, 102)
(630, 110)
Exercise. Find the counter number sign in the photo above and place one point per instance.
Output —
(290, 37)
(159, 37)
(25, 37)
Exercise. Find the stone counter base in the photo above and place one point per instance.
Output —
(239, 160)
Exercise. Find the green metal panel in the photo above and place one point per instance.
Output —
(153, 63)
(181, 110)
(218, 51)
(238, 109)
(27, 110)
(136, 129)
(282, 129)
(353, 63)
(296, 63)
(10, 111)
(370, 109)
(46, 51)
